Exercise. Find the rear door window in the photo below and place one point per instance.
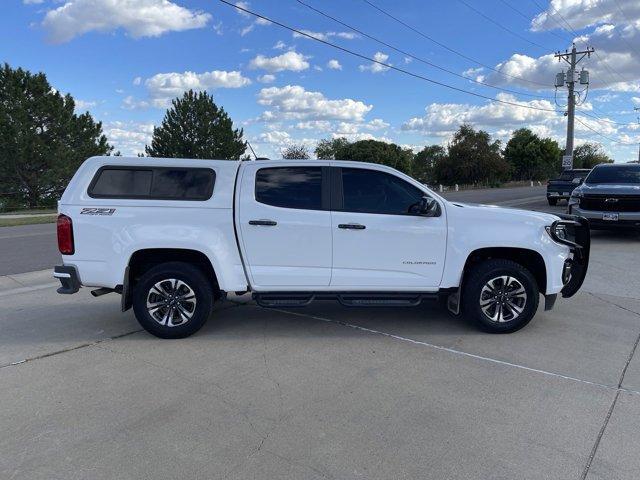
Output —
(160, 183)
(290, 187)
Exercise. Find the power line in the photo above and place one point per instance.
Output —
(602, 134)
(456, 52)
(386, 65)
(506, 29)
(528, 19)
(597, 117)
(571, 30)
(410, 55)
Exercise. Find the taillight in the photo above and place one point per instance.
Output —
(65, 235)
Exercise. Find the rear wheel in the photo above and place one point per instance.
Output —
(552, 201)
(172, 300)
(500, 296)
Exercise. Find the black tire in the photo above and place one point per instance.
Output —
(196, 309)
(492, 270)
(552, 201)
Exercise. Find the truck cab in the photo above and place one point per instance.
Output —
(172, 236)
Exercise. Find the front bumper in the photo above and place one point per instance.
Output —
(625, 219)
(68, 276)
(579, 242)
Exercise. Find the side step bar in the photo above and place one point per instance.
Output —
(348, 299)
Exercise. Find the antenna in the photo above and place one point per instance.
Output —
(255, 157)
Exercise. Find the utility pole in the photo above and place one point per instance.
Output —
(572, 58)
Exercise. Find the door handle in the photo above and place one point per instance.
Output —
(265, 223)
(351, 226)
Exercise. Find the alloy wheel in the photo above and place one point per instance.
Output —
(171, 302)
(503, 299)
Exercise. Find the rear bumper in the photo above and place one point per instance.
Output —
(68, 276)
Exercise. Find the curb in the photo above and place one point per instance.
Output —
(26, 282)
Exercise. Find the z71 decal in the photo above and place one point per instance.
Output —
(97, 211)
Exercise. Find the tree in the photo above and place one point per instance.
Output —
(424, 162)
(375, 151)
(328, 148)
(588, 155)
(530, 157)
(195, 127)
(296, 152)
(42, 140)
(472, 159)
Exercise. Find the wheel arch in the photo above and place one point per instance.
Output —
(142, 260)
(530, 259)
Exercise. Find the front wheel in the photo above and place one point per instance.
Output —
(172, 300)
(552, 201)
(500, 296)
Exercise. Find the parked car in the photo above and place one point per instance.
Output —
(173, 235)
(561, 187)
(609, 196)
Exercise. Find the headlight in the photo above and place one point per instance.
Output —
(577, 194)
(561, 232)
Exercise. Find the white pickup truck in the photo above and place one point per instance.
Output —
(173, 235)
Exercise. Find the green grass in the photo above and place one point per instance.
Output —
(15, 222)
(28, 211)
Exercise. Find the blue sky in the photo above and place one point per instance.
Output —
(123, 60)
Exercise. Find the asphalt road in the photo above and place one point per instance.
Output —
(325, 391)
(34, 247)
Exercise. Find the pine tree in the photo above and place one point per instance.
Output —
(195, 127)
(42, 140)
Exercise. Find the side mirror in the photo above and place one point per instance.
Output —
(577, 181)
(426, 207)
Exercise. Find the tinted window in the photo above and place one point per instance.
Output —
(153, 183)
(571, 174)
(615, 174)
(122, 183)
(193, 184)
(369, 191)
(290, 187)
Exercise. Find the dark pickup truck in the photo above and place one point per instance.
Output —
(609, 197)
(561, 187)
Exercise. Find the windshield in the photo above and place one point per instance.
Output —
(615, 174)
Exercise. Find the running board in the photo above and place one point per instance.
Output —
(348, 299)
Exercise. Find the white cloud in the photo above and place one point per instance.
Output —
(585, 13)
(376, 67)
(293, 102)
(266, 78)
(139, 18)
(129, 138)
(83, 106)
(291, 60)
(280, 45)
(441, 119)
(316, 125)
(334, 64)
(244, 5)
(163, 87)
(326, 35)
(137, 81)
(616, 38)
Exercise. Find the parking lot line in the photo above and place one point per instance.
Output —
(470, 355)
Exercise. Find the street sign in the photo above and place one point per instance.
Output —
(567, 161)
